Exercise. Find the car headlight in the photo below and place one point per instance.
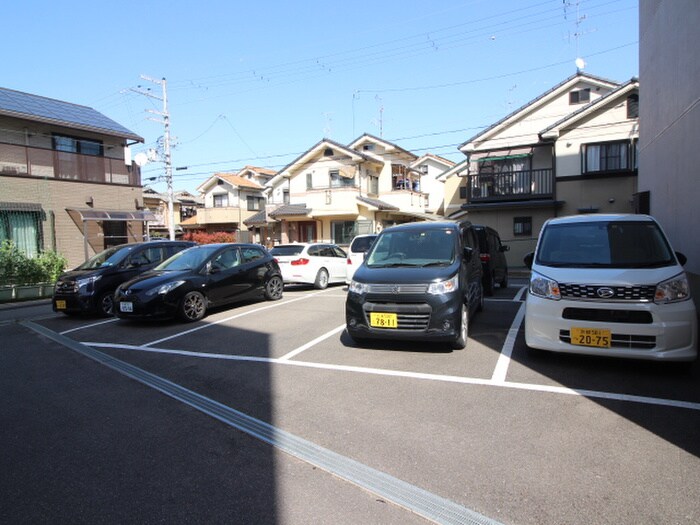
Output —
(358, 288)
(673, 290)
(443, 287)
(87, 281)
(164, 288)
(544, 287)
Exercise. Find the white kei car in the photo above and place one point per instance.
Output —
(319, 264)
(356, 253)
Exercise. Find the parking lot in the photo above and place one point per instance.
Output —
(268, 413)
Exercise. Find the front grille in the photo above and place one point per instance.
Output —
(627, 341)
(590, 292)
(608, 315)
(409, 316)
(398, 288)
(66, 287)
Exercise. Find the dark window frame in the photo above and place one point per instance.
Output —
(73, 144)
(522, 226)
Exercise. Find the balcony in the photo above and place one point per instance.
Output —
(511, 186)
(47, 163)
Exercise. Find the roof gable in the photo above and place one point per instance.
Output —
(542, 100)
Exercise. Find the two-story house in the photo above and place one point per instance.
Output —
(185, 206)
(67, 180)
(230, 199)
(333, 192)
(571, 150)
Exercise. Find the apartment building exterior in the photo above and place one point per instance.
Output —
(68, 183)
(670, 112)
(333, 192)
(571, 150)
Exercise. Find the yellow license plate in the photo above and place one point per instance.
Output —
(60, 305)
(599, 338)
(382, 320)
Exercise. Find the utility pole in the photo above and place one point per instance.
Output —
(166, 147)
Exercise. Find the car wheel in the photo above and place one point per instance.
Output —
(192, 307)
(274, 288)
(488, 284)
(105, 304)
(461, 341)
(480, 304)
(504, 282)
(321, 282)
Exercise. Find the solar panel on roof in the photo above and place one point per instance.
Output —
(59, 111)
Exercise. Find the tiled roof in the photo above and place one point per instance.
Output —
(48, 110)
(239, 181)
(381, 205)
(289, 209)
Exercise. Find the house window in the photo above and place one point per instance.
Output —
(606, 156)
(255, 203)
(23, 228)
(522, 226)
(114, 233)
(309, 181)
(368, 147)
(580, 96)
(633, 106)
(77, 145)
(285, 196)
(373, 185)
(342, 231)
(337, 180)
(463, 192)
(221, 200)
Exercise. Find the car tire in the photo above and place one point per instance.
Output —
(461, 340)
(274, 288)
(488, 284)
(105, 304)
(504, 282)
(192, 307)
(321, 282)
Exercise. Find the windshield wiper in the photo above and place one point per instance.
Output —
(435, 263)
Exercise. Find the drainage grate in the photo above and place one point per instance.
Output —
(415, 499)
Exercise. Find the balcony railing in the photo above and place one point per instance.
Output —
(511, 186)
(47, 163)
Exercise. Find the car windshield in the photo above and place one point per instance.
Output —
(614, 244)
(286, 249)
(413, 248)
(109, 257)
(189, 259)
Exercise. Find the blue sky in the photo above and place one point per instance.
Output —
(258, 83)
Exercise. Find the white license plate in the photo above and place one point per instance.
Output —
(126, 307)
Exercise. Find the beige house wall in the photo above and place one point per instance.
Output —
(57, 195)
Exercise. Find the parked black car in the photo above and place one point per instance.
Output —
(89, 287)
(196, 279)
(418, 282)
(493, 258)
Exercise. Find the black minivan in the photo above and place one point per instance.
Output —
(419, 281)
(89, 288)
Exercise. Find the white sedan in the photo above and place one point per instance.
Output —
(319, 264)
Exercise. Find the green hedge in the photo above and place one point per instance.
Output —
(18, 268)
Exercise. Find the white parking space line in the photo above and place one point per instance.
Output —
(551, 389)
(499, 373)
(308, 345)
(214, 323)
(83, 327)
(519, 295)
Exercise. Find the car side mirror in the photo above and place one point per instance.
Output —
(681, 258)
(504, 247)
(528, 259)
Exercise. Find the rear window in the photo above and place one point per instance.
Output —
(286, 250)
(362, 244)
(615, 244)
